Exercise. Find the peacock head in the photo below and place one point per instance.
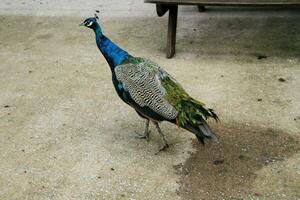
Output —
(90, 23)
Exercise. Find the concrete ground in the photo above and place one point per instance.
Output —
(64, 134)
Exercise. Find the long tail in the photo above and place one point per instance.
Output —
(201, 130)
(192, 115)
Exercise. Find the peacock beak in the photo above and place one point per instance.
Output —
(82, 24)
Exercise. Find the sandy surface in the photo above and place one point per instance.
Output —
(75, 8)
(64, 134)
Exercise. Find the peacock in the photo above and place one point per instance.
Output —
(154, 94)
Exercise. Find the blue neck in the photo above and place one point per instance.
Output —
(113, 54)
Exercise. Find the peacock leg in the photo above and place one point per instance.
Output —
(165, 144)
(146, 132)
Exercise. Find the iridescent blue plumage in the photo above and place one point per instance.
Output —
(112, 53)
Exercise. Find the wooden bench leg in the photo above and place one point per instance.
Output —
(171, 40)
(161, 9)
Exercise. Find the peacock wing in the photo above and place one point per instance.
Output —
(142, 79)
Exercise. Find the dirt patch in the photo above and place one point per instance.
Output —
(227, 170)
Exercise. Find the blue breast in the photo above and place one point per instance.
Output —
(115, 56)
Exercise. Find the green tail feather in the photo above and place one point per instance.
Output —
(189, 109)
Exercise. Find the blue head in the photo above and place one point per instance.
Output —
(113, 54)
(91, 23)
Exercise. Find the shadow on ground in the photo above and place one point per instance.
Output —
(227, 170)
(219, 32)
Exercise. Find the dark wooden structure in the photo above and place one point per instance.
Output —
(162, 6)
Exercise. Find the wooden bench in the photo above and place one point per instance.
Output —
(162, 6)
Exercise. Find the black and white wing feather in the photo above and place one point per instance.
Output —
(143, 82)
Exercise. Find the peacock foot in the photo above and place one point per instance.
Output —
(145, 136)
(162, 148)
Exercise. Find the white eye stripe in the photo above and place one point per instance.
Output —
(90, 24)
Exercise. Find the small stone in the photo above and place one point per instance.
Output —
(259, 57)
(218, 162)
(281, 79)
(222, 75)
(241, 157)
(25, 171)
(259, 99)
(6, 106)
(195, 29)
(29, 71)
(221, 174)
(98, 177)
(112, 169)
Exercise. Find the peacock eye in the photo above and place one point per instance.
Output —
(90, 24)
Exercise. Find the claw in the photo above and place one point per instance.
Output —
(144, 136)
(165, 143)
(162, 148)
(146, 132)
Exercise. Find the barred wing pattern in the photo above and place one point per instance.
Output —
(142, 81)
